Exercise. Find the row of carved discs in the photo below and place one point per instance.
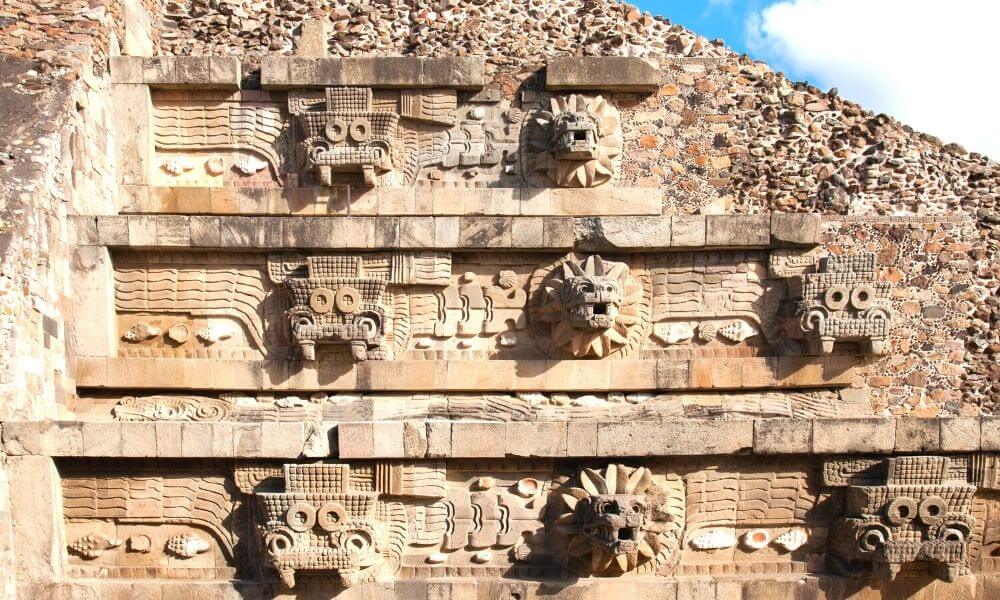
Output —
(346, 299)
(302, 516)
(337, 130)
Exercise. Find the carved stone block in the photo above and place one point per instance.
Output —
(844, 301)
(903, 510)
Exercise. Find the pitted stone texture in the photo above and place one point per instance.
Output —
(605, 73)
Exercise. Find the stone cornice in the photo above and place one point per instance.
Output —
(490, 439)
(792, 372)
(661, 232)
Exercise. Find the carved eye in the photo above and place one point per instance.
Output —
(321, 300)
(301, 516)
(638, 507)
(586, 287)
(901, 510)
(336, 130)
(361, 129)
(331, 516)
(932, 510)
(836, 297)
(863, 297)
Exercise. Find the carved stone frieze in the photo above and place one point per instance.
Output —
(617, 520)
(528, 406)
(157, 525)
(844, 301)
(588, 308)
(191, 130)
(171, 408)
(903, 511)
(575, 142)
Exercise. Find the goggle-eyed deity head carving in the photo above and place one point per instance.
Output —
(912, 509)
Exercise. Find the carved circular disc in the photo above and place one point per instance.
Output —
(331, 516)
(361, 129)
(932, 510)
(348, 299)
(321, 300)
(863, 297)
(336, 130)
(901, 510)
(836, 297)
(301, 516)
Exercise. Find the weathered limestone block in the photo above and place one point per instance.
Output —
(606, 73)
(94, 333)
(133, 138)
(177, 72)
(39, 533)
(463, 73)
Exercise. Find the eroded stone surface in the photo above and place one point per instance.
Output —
(488, 324)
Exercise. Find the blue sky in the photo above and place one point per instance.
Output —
(710, 18)
(926, 62)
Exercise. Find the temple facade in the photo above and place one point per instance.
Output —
(443, 302)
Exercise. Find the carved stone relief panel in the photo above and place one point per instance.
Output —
(188, 304)
(902, 512)
(435, 305)
(213, 139)
(748, 515)
(714, 298)
(574, 141)
(138, 524)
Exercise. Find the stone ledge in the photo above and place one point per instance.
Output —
(420, 201)
(333, 233)
(424, 439)
(454, 232)
(769, 585)
(628, 375)
(604, 73)
(284, 72)
(177, 72)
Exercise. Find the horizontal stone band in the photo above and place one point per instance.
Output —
(488, 439)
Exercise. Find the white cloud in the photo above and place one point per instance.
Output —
(926, 62)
